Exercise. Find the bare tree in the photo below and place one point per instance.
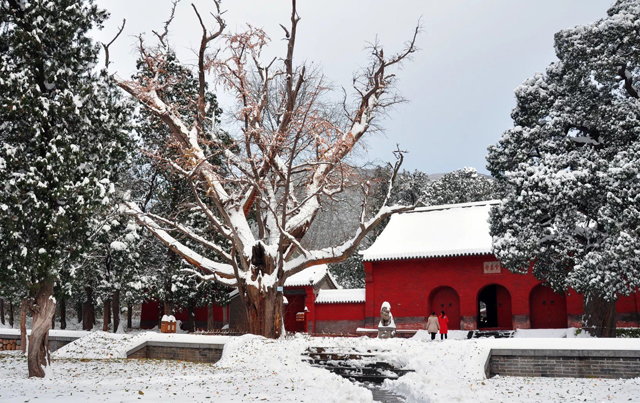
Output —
(288, 155)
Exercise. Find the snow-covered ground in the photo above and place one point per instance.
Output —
(255, 369)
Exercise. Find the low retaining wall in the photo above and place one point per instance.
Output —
(193, 352)
(10, 342)
(612, 364)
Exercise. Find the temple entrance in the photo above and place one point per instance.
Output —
(494, 308)
(446, 299)
(295, 305)
(548, 309)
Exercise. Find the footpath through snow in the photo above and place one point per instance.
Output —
(256, 369)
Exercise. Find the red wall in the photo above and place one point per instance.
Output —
(409, 286)
(346, 311)
(339, 319)
(152, 310)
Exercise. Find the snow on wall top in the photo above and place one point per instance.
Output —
(309, 276)
(341, 296)
(436, 231)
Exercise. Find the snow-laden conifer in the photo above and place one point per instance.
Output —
(62, 126)
(571, 167)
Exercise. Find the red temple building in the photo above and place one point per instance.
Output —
(439, 258)
(430, 260)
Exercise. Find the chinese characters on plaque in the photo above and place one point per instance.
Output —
(492, 268)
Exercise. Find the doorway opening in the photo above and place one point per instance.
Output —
(494, 308)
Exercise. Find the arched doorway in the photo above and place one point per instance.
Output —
(446, 299)
(494, 308)
(547, 308)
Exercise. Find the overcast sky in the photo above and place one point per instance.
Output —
(474, 53)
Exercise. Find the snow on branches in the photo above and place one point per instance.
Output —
(262, 190)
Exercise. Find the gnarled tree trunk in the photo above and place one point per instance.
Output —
(264, 312)
(264, 306)
(23, 325)
(599, 317)
(43, 309)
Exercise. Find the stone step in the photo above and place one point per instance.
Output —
(498, 334)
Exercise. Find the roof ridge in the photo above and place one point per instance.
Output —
(453, 206)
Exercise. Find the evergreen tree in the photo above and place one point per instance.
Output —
(164, 193)
(460, 186)
(570, 167)
(62, 127)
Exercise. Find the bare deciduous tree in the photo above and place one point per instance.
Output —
(287, 156)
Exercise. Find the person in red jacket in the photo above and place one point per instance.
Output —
(443, 320)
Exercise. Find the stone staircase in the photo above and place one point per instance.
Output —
(353, 365)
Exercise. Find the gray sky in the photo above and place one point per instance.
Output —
(460, 85)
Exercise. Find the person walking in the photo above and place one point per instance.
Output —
(443, 321)
(432, 325)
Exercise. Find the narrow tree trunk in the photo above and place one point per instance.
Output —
(43, 309)
(2, 311)
(191, 316)
(79, 311)
(106, 315)
(23, 325)
(168, 307)
(115, 303)
(129, 316)
(599, 317)
(210, 317)
(63, 314)
(88, 311)
(53, 320)
(11, 314)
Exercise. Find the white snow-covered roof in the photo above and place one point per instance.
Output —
(436, 231)
(341, 296)
(309, 276)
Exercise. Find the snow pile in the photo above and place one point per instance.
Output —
(102, 345)
(281, 360)
(168, 318)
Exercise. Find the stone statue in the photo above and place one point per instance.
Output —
(386, 327)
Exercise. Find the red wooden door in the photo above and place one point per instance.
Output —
(446, 299)
(548, 309)
(503, 300)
